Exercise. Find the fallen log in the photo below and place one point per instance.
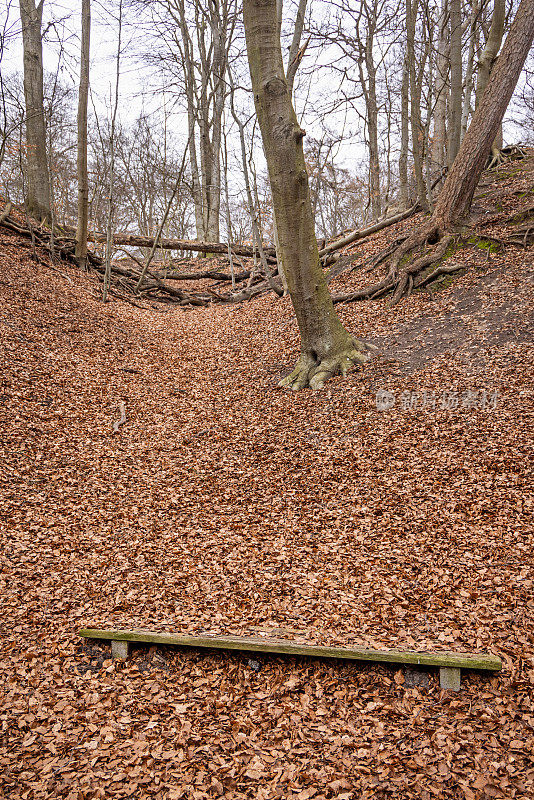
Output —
(363, 233)
(195, 276)
(251, 291)
(133, 240)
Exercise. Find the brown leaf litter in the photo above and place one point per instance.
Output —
(223, 504)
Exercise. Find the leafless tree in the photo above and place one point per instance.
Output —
(83, 176)
(326, 346)
(38, 178)
(111, 199)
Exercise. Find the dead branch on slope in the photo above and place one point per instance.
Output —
(123, 279)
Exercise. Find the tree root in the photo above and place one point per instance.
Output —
(499, 155)
(496, 159)
(313, 372)
(400, 282)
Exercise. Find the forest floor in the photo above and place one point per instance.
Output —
(225, 504)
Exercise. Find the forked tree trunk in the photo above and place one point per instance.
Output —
(487, 61)
(491, 49)
(326, 347)
(455, 198)
(83, 179)
(293, 57)
(38, 189)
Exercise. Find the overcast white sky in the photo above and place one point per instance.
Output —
(65, 15)
(138, 85)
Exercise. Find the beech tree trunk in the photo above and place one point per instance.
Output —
(38, 179)
(405, 136)
(491, 49)
(372, 126)
(437, 157)
(83, 178)
(455, 116)
(487, 60)
(455, 198)
(326, 346)
(415, 83)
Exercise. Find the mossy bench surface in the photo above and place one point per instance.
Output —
(268, 644)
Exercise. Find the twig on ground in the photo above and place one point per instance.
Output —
(122, 420)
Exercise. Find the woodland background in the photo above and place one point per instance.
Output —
(384, 105)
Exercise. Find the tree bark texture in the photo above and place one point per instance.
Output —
(456, 96)
(83, 178)
(38, 179)
(326, 347)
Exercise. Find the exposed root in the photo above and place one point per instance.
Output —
(499, 155)
(497, 158)
(399, 280)
(313, 372)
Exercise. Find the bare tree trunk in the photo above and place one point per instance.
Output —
(491, 49)
(469, 72)
(487, 60)
(372, 126)
(293, 62)
(415, 103)
(405, 136)
(293, 58)
(438, 159)
(365, 44)
(218, 70)
(326, 347)
(190, 91)
(229, 236)
(38, 194)
(111, 197)
(455, 116)
(256, 232)
(455, 199)
(83, 178)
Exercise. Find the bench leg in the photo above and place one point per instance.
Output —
(119, 650)
(449, 678)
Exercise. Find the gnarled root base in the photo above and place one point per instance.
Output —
(499, 155)
(497, 158)
(400, 282)
(313, 372)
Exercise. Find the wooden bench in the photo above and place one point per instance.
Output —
(450, 664)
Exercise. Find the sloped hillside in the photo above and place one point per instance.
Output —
(392, 508)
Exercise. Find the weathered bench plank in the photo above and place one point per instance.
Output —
(267, 644)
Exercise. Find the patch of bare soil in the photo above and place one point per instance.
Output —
(478, 318)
